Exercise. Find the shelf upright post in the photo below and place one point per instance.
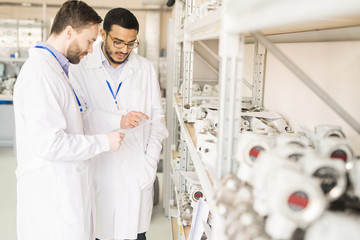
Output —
(188, 49)
(231, 53)
(178, 10)
(169, 113)
(184, 163)
(177, 67)
(172, 85)
(259, 75)
(188, 71)
(188, 55)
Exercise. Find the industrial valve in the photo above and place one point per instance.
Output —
(196, 89)
(212, 115)
(195, 192)
(335, 226)
(249, 147)
(334, 148)
(330, 174)
(261, 126)
(293, 139)
(207, 147)
(202, 126)
(327, 131)
(280, 124)
(288, 197)
(193, 112)
(205, 136)
(263, 122)
(208, 89)
(291, 146)
(209, 154)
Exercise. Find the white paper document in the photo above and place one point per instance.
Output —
(200, 215)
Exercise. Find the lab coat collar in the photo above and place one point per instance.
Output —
(64, 62)
(54, 62)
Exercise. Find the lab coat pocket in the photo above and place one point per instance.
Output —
(149, 167)
(74, 195)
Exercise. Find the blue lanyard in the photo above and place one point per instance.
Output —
(47, 50)
(77, 99)
(112, 93)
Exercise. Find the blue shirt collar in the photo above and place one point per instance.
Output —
(64, 62)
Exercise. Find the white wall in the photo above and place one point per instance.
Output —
(332, 65)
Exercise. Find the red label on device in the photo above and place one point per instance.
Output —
(339, 154)
(298, 201)
(254, 152)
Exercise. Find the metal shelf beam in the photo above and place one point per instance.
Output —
(243, 16)
(204, 29)
(200, 169)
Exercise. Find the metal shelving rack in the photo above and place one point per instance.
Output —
(184, 37)
(235, 24)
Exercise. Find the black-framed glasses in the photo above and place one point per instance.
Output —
(121, 44)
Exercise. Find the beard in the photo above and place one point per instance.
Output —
(74, 53)
(108, 54)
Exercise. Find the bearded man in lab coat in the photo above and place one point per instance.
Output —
(121, 90)
(54, 188)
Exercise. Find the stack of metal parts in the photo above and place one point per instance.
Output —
(298, 186)
(186, 209)
(188, 202)
(234, 200)
(287, 185)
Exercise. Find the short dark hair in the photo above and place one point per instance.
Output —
(76, 14)
(122, 17)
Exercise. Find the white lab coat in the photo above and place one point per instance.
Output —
(54, 191)
(124, 179)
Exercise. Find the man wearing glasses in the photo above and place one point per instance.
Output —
(120, 91)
